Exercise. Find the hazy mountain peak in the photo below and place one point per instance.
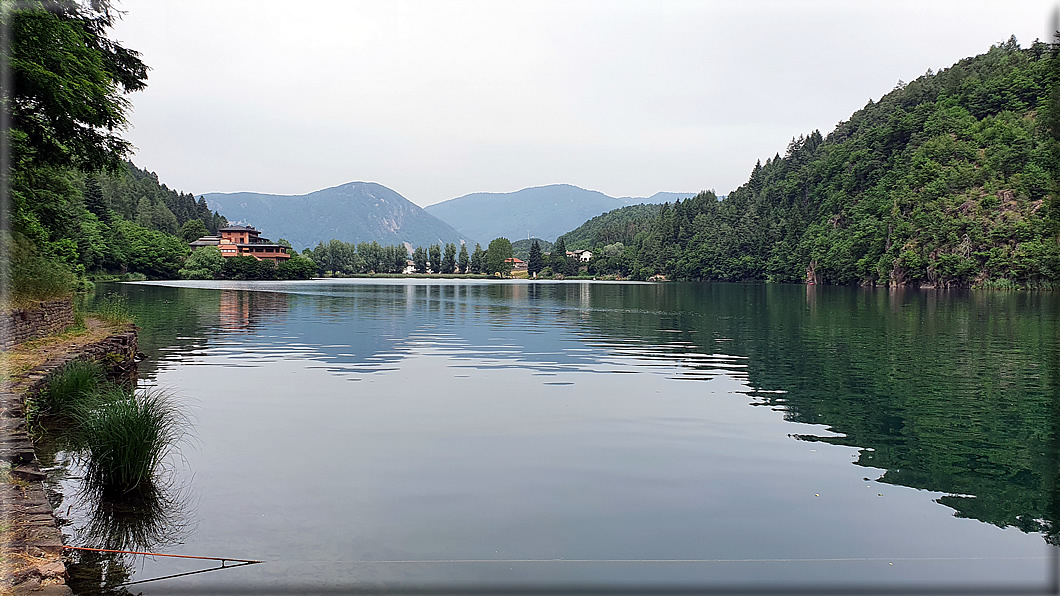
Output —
(543, 211)
(352, 212)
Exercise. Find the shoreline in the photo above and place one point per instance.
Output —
(31, 542)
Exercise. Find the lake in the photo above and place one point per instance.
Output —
(459, 435)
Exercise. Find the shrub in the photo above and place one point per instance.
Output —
(33, 275)
(204, 263)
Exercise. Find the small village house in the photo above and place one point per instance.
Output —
(516, 263)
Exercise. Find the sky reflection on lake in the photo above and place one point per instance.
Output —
(476, 433)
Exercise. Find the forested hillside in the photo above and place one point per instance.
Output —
(137, 195)
(949, 180)
(67, 108)
(621, 225)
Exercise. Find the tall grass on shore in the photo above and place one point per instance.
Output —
(126, 437)
(121, 436)
(67, 390)
(31, 275)
(114, 309)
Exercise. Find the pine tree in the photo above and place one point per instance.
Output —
(534, 262)
(478, 258)
(434, 254)
(94, 201)
(449, 259)
(463, 260)
(558, 259)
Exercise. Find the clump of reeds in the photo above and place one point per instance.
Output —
(114, 309)
(125, 437)
(122, 436)
(67, 389)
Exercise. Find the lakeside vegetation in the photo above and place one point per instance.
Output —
(948, 181)
(76, 206)
(121, 436)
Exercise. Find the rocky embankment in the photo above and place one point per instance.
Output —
(31, 543)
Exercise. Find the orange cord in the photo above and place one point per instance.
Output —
(130, 552)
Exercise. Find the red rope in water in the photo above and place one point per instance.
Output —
(131, 552)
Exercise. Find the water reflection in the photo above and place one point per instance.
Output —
(240, 310)
(950, 392)
(145, 520)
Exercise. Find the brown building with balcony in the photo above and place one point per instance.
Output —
(244, 241)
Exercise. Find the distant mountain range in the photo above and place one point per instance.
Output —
(543, 211)
(366, 212)
(352, 212)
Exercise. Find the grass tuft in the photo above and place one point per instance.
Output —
(67, 389)
(126, 437)
(114, 309)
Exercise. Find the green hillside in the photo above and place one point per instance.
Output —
(521, 248)
(621, 225)
(947, 181)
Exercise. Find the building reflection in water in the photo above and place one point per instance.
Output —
(242, 310)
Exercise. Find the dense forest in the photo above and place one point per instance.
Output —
(77, 207)
(947, 181)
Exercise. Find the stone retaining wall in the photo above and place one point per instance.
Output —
(47, 318)
(33, 533)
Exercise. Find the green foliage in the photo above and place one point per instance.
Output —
(499, 250)
(947, 181)
(463, 260)
(67, 387)
(153, 253)
(521, 248)
(114, 309)
(126, 437)
(434, 256)
(448, 263)
(205, 263)
(478, 259)
(620, 225)
(535, 261)
(33, 276)
(296, 267)
(73, 198)
(69, 82)
(558, 261)
(248, 267)
(366, 257)
(193, 229)
(419, 259)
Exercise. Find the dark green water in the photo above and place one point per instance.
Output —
(402, 433)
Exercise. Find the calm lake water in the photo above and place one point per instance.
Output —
(413, 433)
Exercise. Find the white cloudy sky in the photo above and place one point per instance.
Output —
(439, 99)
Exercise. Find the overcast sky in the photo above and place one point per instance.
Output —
(440, 99)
